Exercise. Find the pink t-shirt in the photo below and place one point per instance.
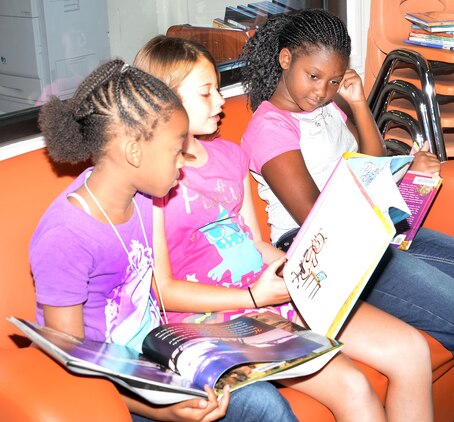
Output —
(207, 238)
(322, 136)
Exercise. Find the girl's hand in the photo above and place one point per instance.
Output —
(201, 410)
(426, 161)
(351, 87)
(270, 289)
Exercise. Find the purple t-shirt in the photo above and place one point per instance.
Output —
(207, 238)
(76, 259)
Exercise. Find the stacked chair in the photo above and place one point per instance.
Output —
(410, 88)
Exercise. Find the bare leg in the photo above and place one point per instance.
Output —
(344, 389)
(398, 351)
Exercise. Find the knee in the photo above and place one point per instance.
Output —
(410, 357)
(356, 388)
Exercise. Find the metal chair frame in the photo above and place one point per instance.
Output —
(402, 89)
(395, 118)
(422, 68)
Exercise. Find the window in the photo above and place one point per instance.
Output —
(48, 46)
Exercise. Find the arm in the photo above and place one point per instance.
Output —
(184, 296)
(370, 142)
(352, 100)
(68, 319)
(291, 182)
(268, 251)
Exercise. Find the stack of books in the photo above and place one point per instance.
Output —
(249, 17)
(432, 29)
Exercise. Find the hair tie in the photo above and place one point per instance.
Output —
(124, 68)
(252, 297)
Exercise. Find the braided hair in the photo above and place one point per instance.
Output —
(114, 95)
(301, 32)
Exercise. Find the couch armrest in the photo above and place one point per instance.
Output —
(33, 387)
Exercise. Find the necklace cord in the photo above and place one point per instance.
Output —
(95, 200)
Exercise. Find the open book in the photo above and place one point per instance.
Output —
(179, 359)
(344, 237)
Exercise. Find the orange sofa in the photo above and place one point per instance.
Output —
(34, 388)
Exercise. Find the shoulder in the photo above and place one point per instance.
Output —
(224, 148)
(335, 108)
(62, 220)
(268, 114)
(268, 121)
(224, 153)
(270, 133)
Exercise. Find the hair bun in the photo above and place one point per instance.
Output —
(62, 132)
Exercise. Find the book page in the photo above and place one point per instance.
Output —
(203, 352)
(379, 176)
(116, 362)
(335, 252)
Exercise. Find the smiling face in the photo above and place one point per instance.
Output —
(201, 98)
(308, 81)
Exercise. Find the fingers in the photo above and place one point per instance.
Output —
(425, 146)
(274, 266)
(426, 161)
(216, 409)
(225, 399)
(351, 87)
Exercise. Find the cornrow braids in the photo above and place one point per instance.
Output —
(301, 32)
(114, 94)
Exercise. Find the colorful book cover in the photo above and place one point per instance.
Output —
(419, 191)
(415, 32)
(422, 43)
(434, 40)
(431, 38)
(435, 18)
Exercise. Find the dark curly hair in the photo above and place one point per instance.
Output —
(301, 32)
(114, 94)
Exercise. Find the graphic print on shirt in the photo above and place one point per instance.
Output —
(238, 252)
(132, 308)
(324, 137)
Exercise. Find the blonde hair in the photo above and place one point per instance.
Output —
(171, 59)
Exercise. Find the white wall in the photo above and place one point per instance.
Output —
(155, 16)
(358, 12)
(149, 18)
